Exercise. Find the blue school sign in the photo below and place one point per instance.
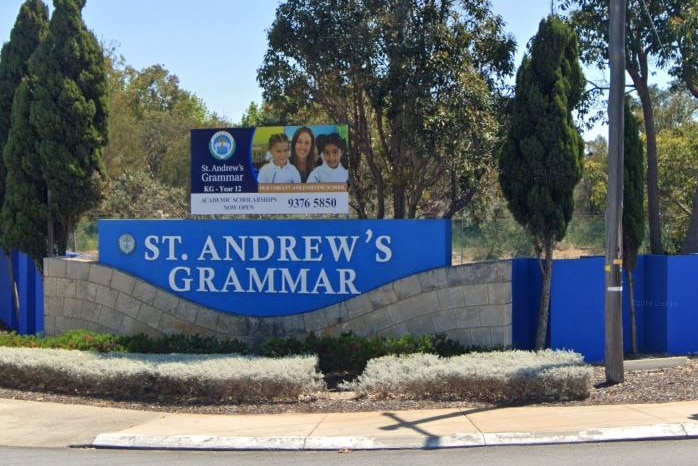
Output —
(273, 268)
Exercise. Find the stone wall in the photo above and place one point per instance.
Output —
(469, 303)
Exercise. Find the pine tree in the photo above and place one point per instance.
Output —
(541, 162)
(633, 207)
(69, 115)
(28, 32)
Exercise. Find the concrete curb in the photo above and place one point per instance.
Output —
(199, 442)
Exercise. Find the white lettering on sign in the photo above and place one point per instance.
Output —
(271, 280)
(263, 249)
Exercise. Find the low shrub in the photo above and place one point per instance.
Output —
(104, 343)
(346, 355)
(495, 377)
(180, 343)
(76, 340)
(164, 378)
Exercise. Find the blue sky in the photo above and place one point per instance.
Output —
(216, 46)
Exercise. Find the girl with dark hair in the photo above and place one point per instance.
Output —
(332, 147)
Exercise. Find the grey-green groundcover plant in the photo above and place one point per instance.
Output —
(495, 377)
(498, 377)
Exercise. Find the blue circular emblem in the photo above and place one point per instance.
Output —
(222, 145)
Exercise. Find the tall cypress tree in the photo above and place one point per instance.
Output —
(28, 32)
(23, 214)
(633, 207)
(69, 115)
(541, 162)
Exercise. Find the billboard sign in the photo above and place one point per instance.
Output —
(292, 170)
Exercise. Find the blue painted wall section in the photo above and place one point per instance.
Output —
(30, 318)
(681, 305)
(577, 306)
(666, 305)
(525, 289)
(654, 270)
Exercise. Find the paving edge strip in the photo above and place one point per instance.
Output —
(199, 442)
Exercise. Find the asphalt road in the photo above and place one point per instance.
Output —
(656, 453)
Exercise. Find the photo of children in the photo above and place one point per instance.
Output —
(278, 169)
(331, 147)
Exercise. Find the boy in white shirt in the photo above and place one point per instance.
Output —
(278, 169)
(331, 147)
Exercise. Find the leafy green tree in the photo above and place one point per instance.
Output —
(150, 120)
(136, 194)
(678, 181)
(417, 83)
(633, 207)
(69, 114)
(28, 32)
(590, 20)
(673, 107)
(542, 158)
(590, 195)
(679, 31)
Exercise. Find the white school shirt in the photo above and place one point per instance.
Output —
(325, 174)
(271, 173)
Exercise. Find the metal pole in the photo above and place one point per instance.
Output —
(614, 204)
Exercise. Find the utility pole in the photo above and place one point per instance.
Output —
(614, 200)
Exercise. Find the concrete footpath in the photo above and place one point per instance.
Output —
(46, 424)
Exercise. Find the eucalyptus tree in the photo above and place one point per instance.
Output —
(677, 45)
(542, 158)
(590, 20)
(417, 82)
(151, 116)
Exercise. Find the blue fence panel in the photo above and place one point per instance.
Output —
(525, 289)
(640, 307)
(681, 305)
(577, 307)
(7, 309)
(654, 292)
(30, 318)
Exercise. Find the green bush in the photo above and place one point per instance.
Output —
(82, 340)
(183, 344)
(346, 355)
(104, 343)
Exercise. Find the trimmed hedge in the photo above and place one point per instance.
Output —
(175, 378)
(496, 377)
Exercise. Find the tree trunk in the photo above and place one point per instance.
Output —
(544, 311)
(49, 248)
(633, 314)
(690, 244)
(399, 203)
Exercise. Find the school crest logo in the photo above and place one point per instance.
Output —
(222, 145)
